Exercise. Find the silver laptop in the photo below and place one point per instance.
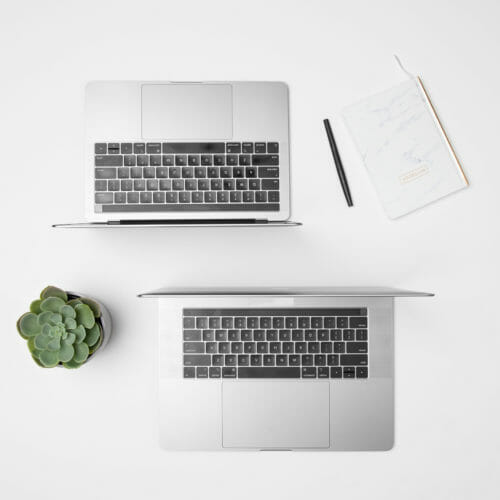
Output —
(277, 369)
(170, 153)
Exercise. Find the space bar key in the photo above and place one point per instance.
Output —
(269, 372)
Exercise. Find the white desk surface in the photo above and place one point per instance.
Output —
(92, 433)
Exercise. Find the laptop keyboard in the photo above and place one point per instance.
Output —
(168, 176)
(275, 343)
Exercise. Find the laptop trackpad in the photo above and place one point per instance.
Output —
(276, 414)
(187, 111)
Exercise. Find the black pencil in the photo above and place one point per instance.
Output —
(338, 162)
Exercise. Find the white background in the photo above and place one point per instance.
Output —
(92, 433)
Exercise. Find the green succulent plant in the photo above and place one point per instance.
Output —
(61, 329)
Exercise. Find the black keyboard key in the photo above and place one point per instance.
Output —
(153, 148)
(341, 322)
(262, 347)
(224, 347)
(155, 160)
(260, 147)
(233, 147)
(218, 360)
(287, 347)
(361, 334)
(230, 360)
(361, 372)
(201, 372)
(241, 184)
(188, 322)
(229, 372)
(357, 347)
(256, 360)
(178, 184)
(167, 160)
(192, 335)
(285, 335)
(105, 173)
(202, 322)
(237, 347)
(294, 360)
(197, 360)
(161, 172)
(273, 147)
(348, 334)
(244, 160)
(132, 197)
(171, 197)
(246, 335)
(251, 172)
(310, 335)
(332, 360)
(187, 172)
(238, 172)
(148, 172)
(146, 197)
(348, 372)
(101, 185)
(259, 335)
(214, 323)
(323, 372)
(158, 197)
(272, 335)
(103, 198)
(129, 160)
(220, 160)
(211, 347)
(126, 148)
(222, 197)
(319, 360)
(313, 347)
(254, 184)
(261, 197)
(304, 322)
(275, 347)
(206, 160)
(214, 372)
(208, 335)
(136, 173)
(194, 147)
(228, 184)
(326, 347)
(268, 359)
(265, 322)
(151, 184)
(316, 322)
(252, 322)
(336, 372)
(336, 334)
(307, 360)
(197, 197)
(203, 184)
(139, 185)
(189, 372)
(359, 322)
(100, 148)
(329, 322)
(165, 184)
(300, 347)
(269, 372)
(213, 172)
(243, 360)
(113, 147)
(323, 335)
(142, 160)
(339, 347)
(123, 173)
(297, 335)
(248, 197)
(210, 197)
(227, 322)
(281, 360)
(216, 184)
(308, 372)
(180, 160)
(139, 148)
(268, 172)
(354, 359)
(184, 197)
(247, 147)
(120, 197)
(193, 160)
(268, 160)
(291, 322)
(274, 185)
(191, 184)
(200, 172)
(232, 160)
(273, 196)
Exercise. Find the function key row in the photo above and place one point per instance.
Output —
(102, 148)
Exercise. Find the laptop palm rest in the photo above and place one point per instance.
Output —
(276, 414)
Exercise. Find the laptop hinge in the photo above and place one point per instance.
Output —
(184, 222)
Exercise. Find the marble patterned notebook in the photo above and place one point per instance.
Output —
(404, 147)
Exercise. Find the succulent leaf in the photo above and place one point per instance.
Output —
(80, 333)
(94, 306)
(74, 302)
(52, 304)
(35, 306)
(41, 341)
(53, 291)
(68, 312)
(92, 335)
(97, 344)
(84, 315)
(44, 317)
(70, 339)
(72, 364)
(54, 344)
(81, 352)
(49, 358)
(66, 352)
(27, 325)
(56, 318)
(37, 361)
(70, 323)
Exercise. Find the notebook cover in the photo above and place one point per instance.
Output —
(404, 148)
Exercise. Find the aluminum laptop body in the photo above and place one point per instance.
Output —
(132, 124)
(266, 413)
